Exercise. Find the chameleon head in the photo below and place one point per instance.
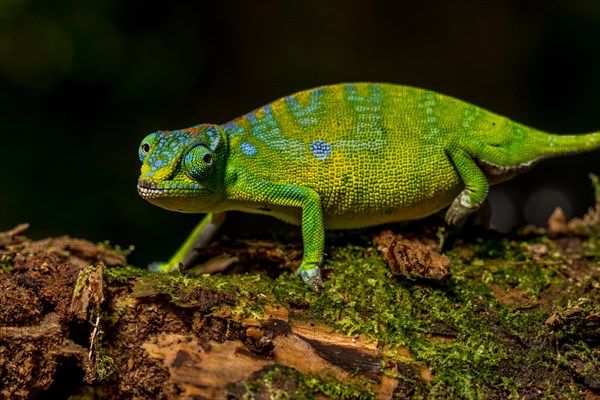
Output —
(183, 170)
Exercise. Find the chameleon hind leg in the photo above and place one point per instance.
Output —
(476, 187)
(200, 236)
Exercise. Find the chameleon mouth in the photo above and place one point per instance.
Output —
(151, 190)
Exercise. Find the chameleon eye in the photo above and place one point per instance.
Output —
(143, 151)
(146, 146)
(198, 162)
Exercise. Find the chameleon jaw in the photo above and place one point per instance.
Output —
(175, 196)
(151, 190)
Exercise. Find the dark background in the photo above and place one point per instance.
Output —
(81, 82)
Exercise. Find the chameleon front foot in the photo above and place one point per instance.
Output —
(461, 208)
(311, 276)
(163, 267)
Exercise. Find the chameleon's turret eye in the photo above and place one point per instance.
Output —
(143, 151)
(198, 162)
(146, 146)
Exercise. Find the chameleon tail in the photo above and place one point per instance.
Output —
(549, 145)
(526, 147)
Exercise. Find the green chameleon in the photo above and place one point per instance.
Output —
(341, 156)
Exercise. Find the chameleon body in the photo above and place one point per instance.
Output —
(342, 156)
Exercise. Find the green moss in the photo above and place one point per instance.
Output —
(481, 334)
(104, 365)
(123, 274)
(82, 279)
(6, 263)
(492, 339)
(278, 383)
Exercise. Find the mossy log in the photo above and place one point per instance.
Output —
(497, 316)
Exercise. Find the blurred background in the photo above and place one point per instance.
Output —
(82, 82)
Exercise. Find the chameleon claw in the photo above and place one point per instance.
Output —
(311, 276)
(455, 215)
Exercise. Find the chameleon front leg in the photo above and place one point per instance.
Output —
(313, 236)
(313, 227)
(200, 236)
(475, 191)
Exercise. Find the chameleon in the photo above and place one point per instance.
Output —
(341, 156)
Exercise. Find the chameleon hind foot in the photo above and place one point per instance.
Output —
(311, 276)
(461, 208)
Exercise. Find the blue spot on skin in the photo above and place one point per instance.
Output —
(320, 149)
(266, 128)
(305, 115)
(157, 163)
(248, 149)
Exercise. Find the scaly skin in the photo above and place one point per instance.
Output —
(342, 156)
